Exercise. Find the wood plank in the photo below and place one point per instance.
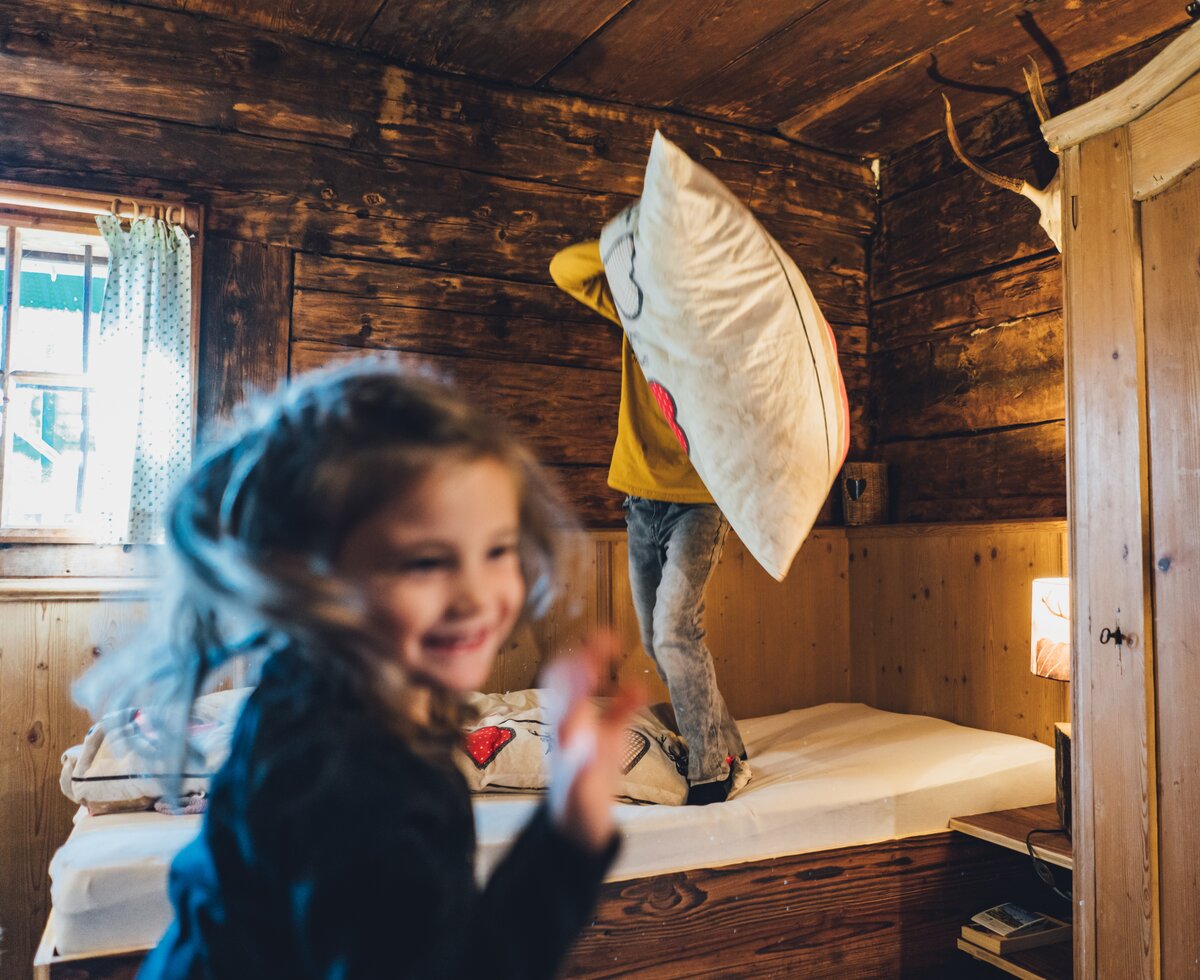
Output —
(357, 321)
(1179, 62)
(1009, 828)
(861, 911)
(954, 229)
(566, 415)
(1010, 125)
(245, 310)
(1052, 962)
(78, 51)
(625, 61)
(1165, 143)
(44, 646)
(433, 289)
(343, 22)
(586, 489)
(972, 379)
(941, 625)
(1169, 222)
(519, 41)
(1113, 765)
(990, 299)
(1008, 473)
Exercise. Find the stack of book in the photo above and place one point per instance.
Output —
(1008, 928)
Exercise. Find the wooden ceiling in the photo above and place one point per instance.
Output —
(858, 77)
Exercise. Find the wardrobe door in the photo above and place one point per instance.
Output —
(1170, 224)
(1109, 530)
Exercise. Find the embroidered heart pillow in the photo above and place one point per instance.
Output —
(508, 750)
(735, 350)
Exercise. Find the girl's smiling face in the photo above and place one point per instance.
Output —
(442, 571)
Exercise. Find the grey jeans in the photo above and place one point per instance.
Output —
(673, 549)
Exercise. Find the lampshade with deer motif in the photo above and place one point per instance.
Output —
(1050, 642)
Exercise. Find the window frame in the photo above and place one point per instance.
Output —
(66, 210)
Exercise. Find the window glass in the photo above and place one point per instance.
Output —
(43, 472)
(59, 274)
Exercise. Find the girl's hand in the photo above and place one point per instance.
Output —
(585, 768)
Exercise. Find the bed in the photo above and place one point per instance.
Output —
(835, 859)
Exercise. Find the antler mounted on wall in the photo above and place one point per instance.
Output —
(1049, 198)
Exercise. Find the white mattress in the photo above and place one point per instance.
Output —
(830, 776)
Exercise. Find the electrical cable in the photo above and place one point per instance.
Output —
(1041, 868)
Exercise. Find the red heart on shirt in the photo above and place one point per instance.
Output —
(666, 404)
(484, 744)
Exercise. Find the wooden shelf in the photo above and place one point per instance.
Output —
(1040, 963)
(1009, 827)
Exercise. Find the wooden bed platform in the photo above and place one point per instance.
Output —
(891, 909)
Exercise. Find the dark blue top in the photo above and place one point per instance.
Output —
(330, 849)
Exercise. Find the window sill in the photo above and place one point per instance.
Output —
(77, 587)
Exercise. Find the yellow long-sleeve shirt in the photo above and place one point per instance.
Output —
(647, 460)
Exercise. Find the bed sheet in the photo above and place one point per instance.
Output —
(829, 776)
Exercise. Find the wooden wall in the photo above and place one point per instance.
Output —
(966, 320)
(940, 622)
(44, 645)
(352, 204)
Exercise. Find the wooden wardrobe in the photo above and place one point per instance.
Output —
(1131, 254)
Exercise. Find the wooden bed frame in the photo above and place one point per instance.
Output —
(891, 909)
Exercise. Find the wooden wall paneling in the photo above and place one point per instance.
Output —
(44, 646)
(972, 379)
(380, 305)
(1112, 763)
(564, 414)
(994, 297)
(1172, 284)
(1006, 474)
(78, 53)
(348, 320)
(940, 623)
(245, 322)
(310, 197)
(955, 228)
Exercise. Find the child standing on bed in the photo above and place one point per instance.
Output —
(380, 539)
(676, 534)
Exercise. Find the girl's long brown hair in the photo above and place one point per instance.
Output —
(253, 533)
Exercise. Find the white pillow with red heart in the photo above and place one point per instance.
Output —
(735, 350)
(508, 750)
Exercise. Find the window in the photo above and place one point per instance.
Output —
(66, 443)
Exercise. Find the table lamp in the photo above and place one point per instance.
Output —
(1050, 656)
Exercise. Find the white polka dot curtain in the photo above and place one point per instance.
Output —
(143, 363)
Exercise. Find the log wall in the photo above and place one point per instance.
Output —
(966, 319)
(352, 205)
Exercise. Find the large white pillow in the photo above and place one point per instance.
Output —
(735, 350)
